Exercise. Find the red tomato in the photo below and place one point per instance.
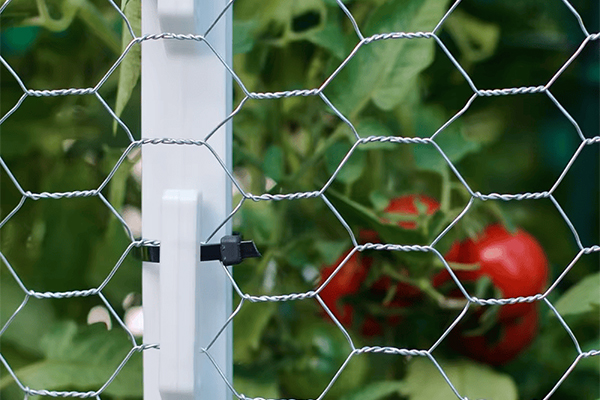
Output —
(515, 263)
(346, 282)
(502, 345)
(407, 205)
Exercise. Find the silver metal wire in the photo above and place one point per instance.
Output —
(318, 195)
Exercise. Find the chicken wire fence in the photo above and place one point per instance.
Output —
(320, 195)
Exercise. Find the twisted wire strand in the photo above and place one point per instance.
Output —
(592, 140)
(511, 300)
(591, 353)
(511, 91)
(509, 197)
(394, 139)
(244, 397)
(54, 393)
(282, 297)
(392, 350)
(394, 247)
(398, 35)
(171, 36)
(63, 295)
(279, 197)
(60, 92)
(285, 94)
(61, 195)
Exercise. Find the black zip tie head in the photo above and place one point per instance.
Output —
(231, 251)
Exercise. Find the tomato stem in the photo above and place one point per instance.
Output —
(443, 301)
(446, 191)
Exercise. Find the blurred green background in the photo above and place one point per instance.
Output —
(509, 144)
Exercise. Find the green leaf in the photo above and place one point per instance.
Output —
(243, 36)
(97, 23)
(83, 358)
(352, 169)
(130, 68)
(590, 363)
(110, 247)
(484, 126)
(384, 71)
(26, 330)
(254, 387)
(330, 37)
(417, 55)
(273, 163)
(254, 382)
(331, 250)
(451, 140)
(377, 390)
(257, 218)
(379, 200)
(584, 297)
(253, 319)
(105, 254)
(476, 39)
(274, 18)
(471, 380)
(18, 40)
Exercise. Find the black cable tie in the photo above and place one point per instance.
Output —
(147, 253)
(231, 251)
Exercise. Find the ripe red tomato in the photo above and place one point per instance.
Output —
(502, 344)
(407, 205)
(349, 279)
(515, 263)
(346, 282)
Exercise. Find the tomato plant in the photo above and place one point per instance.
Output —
(406, 205)
(351, 276)
(514, 262)
(321, 351)
(295, 144)
(501, 344)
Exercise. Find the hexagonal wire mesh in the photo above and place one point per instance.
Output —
(320, 194)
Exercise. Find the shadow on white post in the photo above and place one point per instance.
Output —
(186, 92)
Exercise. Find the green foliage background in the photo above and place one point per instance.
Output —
(405, 88)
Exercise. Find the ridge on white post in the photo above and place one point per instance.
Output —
(186, 93)
(179, 262)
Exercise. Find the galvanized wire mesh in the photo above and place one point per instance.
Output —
(361, 41)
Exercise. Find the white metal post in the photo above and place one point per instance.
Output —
(186, 92)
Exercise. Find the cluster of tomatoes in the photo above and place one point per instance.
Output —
(513, 264)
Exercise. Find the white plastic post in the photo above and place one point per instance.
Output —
(186, 92)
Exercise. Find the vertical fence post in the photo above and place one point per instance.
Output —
(186, 92)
